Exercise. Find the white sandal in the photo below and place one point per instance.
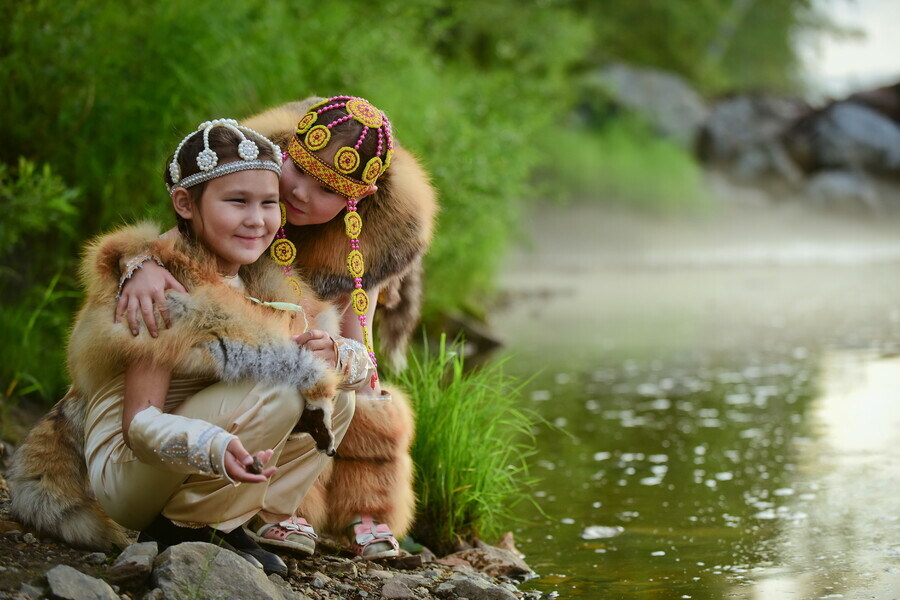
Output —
(372, 540)
(294, 534)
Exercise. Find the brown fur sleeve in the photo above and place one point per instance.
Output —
(100, 266)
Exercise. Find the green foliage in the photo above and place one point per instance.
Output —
(101, 91)
(34, 201)
(38, 211)
(718, 45)
(623, 162)
(472, 443)
(32, 357)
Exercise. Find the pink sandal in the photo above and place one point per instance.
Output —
(294, 534)
(373, 540)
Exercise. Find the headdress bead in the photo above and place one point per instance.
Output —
(306, 122)
(248, 150)
(318, 137)
(346, 160)
(353, 224)
(362, 137)
(339, 121)
(373, 169)
(284, 252)
(364, 112)
(355, 265)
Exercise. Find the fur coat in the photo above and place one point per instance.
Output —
(216, 332)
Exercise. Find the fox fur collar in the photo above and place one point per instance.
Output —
(216, 330)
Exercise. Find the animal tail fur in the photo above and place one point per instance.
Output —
(372, 473)
(49, 484)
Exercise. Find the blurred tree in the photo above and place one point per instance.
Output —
(717, 44)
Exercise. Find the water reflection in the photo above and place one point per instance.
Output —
(776, 482)
(849, 543)
(727, 424)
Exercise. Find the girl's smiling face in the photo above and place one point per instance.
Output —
(307, 201)
(236, 217)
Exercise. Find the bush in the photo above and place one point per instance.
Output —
(471, 448)
(624, 162)
(37, 302)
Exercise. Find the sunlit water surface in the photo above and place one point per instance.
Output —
(723, 403)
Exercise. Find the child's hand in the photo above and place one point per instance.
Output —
(239, 462)
(146, 288)
(320, 343)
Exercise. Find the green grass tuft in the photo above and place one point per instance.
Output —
(471, 448)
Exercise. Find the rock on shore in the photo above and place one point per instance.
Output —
(34, 568)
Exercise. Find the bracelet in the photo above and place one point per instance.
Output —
(133, 265)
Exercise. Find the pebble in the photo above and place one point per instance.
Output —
(396, 590)
(95, 558)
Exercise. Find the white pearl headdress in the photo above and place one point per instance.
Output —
(208, 160)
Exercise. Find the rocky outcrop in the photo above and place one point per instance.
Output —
(845, 135)
(835, 156)
(671, 106)
(743, 134)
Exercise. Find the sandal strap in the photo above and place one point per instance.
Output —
(294, 525)
(367, 533)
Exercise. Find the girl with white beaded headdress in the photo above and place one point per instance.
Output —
(168, 425)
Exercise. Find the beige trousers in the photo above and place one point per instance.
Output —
(261, 415)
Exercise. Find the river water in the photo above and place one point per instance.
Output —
(722, 397)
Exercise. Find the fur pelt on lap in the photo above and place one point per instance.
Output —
(397, 227)
(216, 332)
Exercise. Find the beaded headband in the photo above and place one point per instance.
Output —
(311, 138)
(208, 160)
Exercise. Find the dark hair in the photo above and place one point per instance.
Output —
(224, 142)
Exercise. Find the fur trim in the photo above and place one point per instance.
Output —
(48, 482)
(380, 430)
(400, 306)
(384, 491)
(215, 332)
